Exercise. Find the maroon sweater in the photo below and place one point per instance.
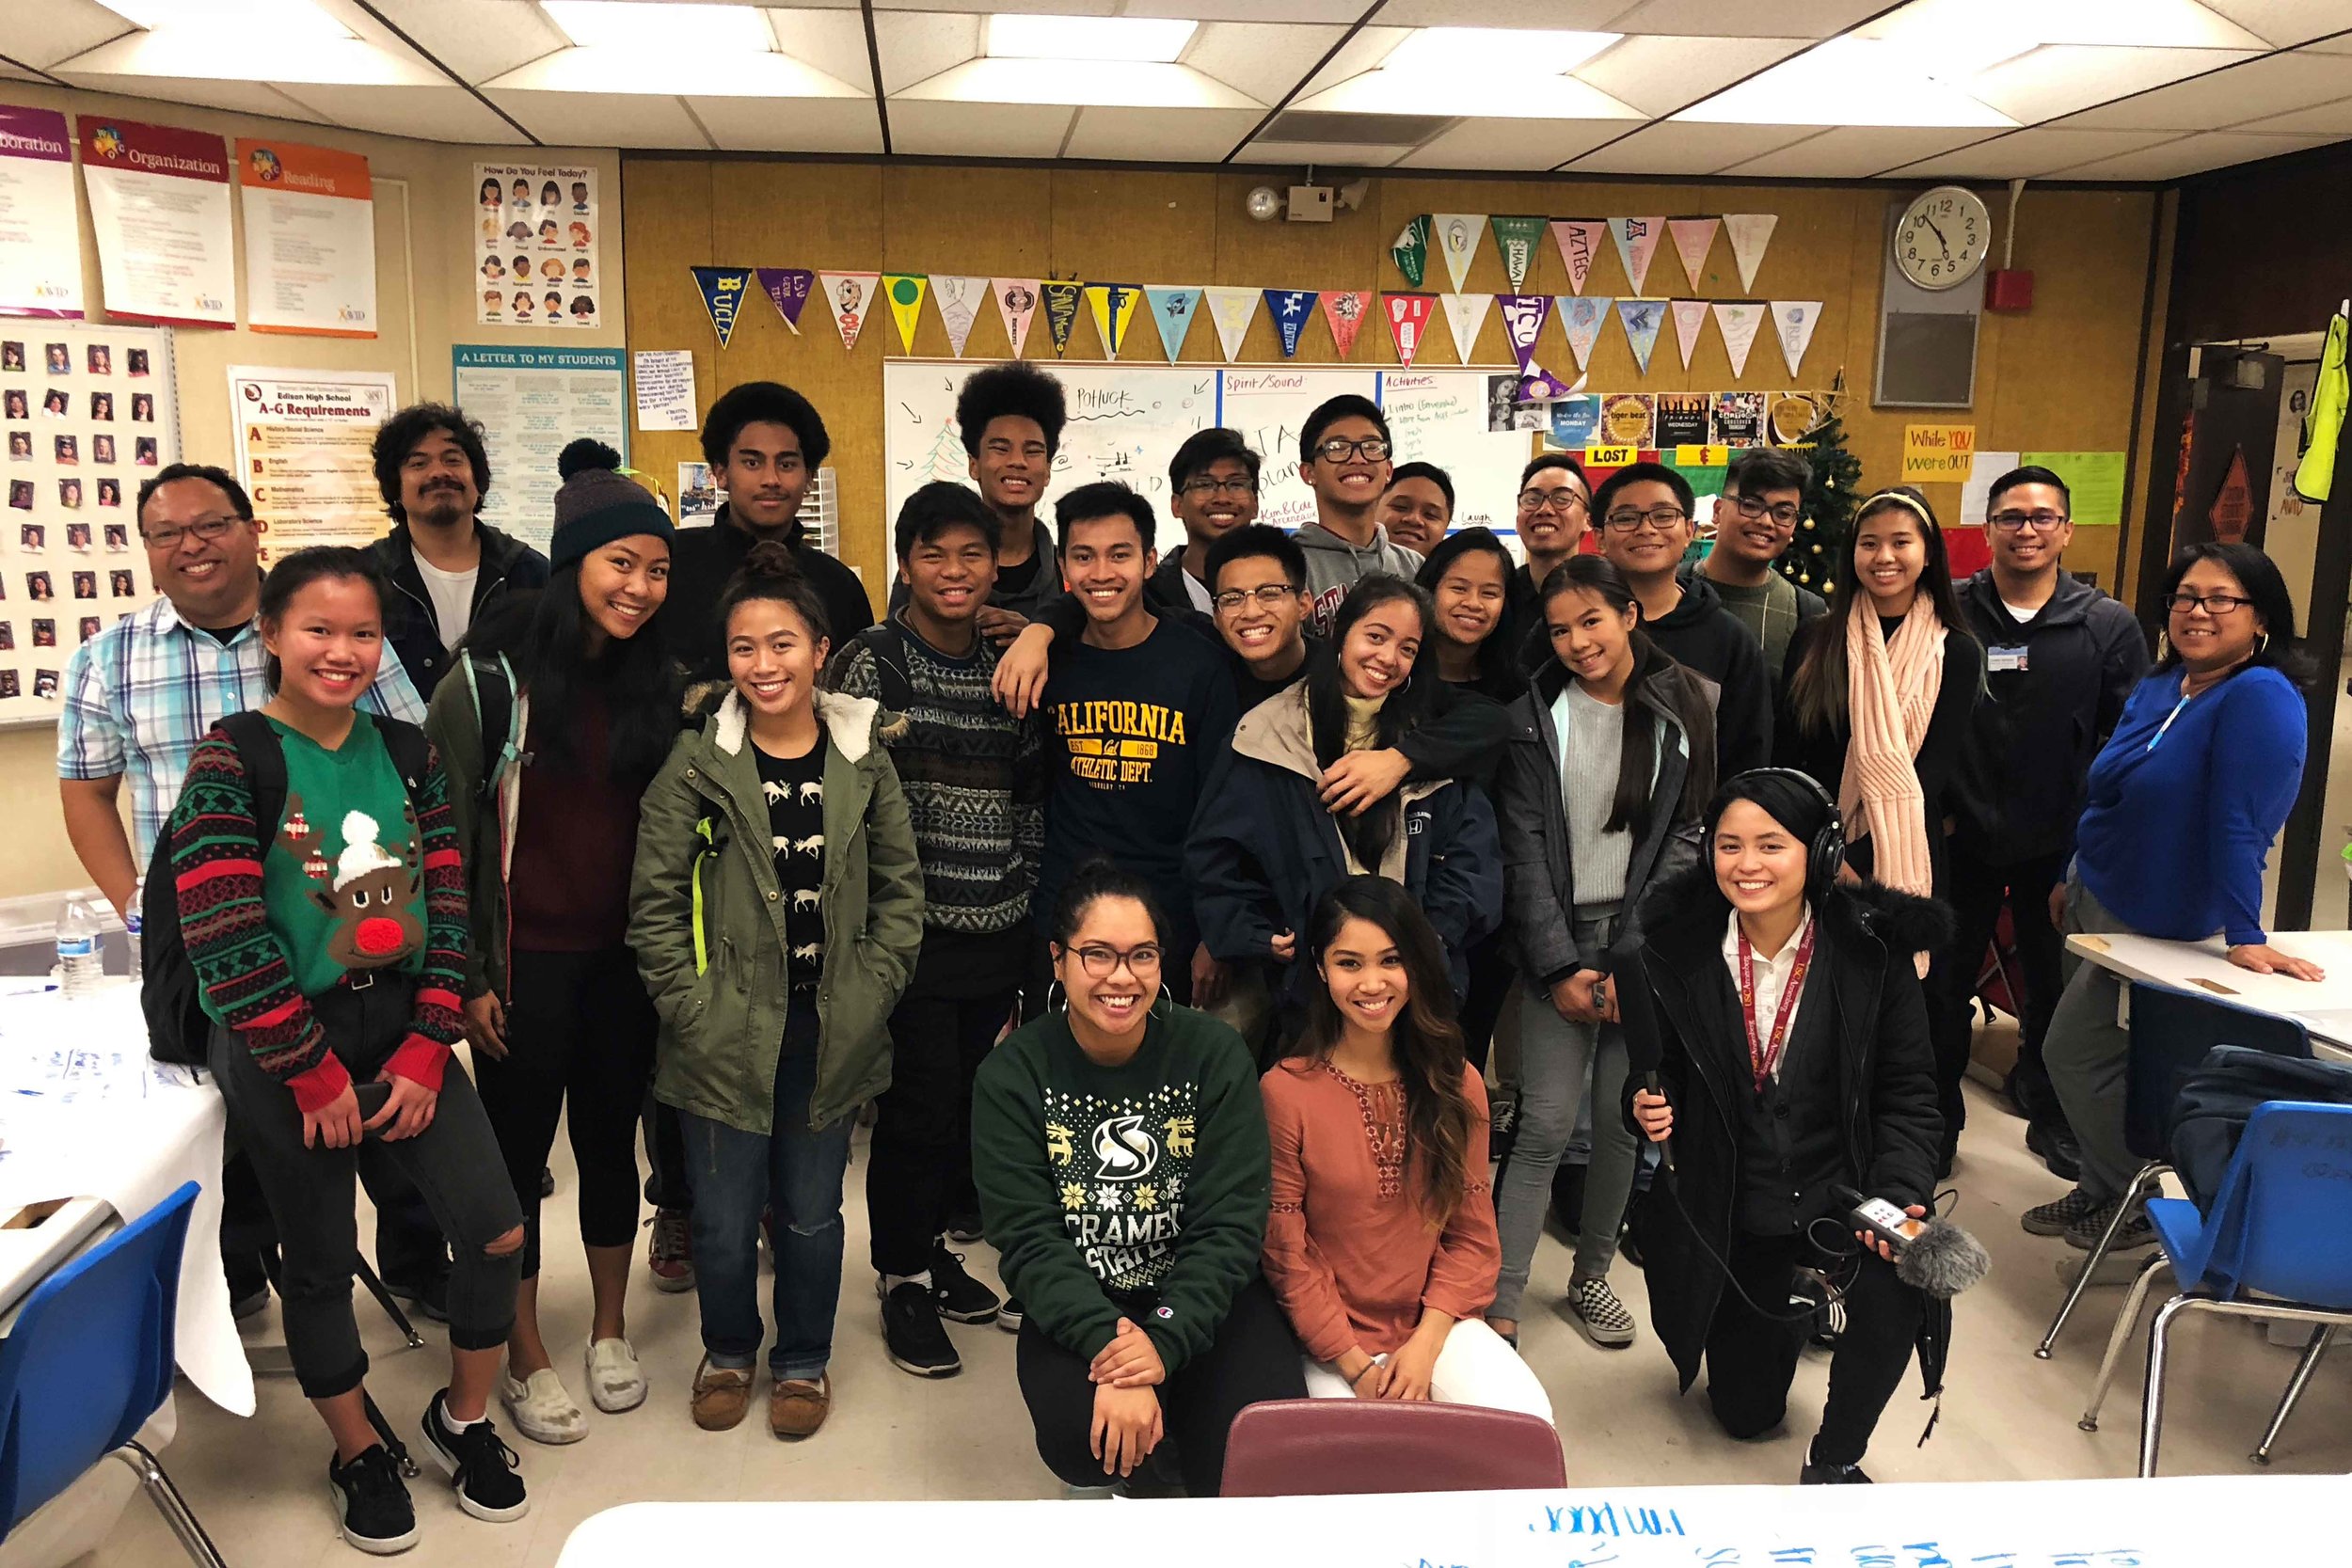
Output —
(575, 840)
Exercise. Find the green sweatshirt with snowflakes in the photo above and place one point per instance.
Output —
(1138, 1191)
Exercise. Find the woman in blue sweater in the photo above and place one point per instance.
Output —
(2182, 804)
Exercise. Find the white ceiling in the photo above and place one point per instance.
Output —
(2080, 89)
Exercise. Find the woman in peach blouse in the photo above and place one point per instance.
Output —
(1385, 1260)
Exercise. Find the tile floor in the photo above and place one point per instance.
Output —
(260, 1489)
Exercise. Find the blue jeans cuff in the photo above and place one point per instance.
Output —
(806, 1372)
(726, 1363)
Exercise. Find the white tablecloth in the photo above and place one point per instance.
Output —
(85, 1114)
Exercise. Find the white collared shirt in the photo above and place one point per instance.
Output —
(1772, 978)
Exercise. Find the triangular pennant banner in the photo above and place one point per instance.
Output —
(722, 296)
(1515, 238)
(848, 296)
(1581, 316)
(1291, 307)
(1690, 322)
(1540, 385)
(1114, 306)
(1795, 320)
(1736, 320)
(1642, 318)
(1750, 232)
(1579, 240)
(959, 300)
(1457, 234)
(1231, 309)
(1637, 242)
(1343, 312)
(1173, 309)
(1061, 312)
(1016, 301)
(1466, 314)
(904, 290)
(1408, 318)
(788, 288)
(1694, 238)
(1410, 249)
(1523, 317)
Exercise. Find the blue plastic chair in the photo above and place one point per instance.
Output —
(89, 1360)
(2279, 1227)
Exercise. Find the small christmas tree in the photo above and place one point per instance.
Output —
(1830, 499)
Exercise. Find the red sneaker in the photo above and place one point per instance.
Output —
(671, 1252)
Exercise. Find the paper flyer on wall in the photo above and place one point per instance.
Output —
(1575, 422)
(531, 402)
(40, 232)
(309, 240)
(1738, 420)
(538, 233)
(1629, 419)
(303, 440)
(159, 205)
(1682, 419)
(662, 380)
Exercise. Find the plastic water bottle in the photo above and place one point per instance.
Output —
(80, 968)
(130, 923)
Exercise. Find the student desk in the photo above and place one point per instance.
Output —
(2175, 1522)
(2323, 1007)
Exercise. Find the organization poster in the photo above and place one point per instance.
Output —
(309, 240)
(40, 235)
(537, 231)
(302, 443)
(159, 203)
(532, 402)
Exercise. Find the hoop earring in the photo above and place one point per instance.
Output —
(2261, 644)
(1051, 1005)
(1166, 1004)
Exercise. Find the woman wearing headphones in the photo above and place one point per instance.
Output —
(1778, 1036)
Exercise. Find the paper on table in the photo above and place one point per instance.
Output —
(1975, 490)
(2094, 477)
(665, 388)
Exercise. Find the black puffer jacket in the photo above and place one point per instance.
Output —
(1682, 1022)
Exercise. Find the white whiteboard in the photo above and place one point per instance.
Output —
(1442, 417)
(1268, 404)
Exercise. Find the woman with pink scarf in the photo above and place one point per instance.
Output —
(1875, 705)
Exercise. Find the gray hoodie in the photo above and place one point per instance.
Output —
(1333, 565)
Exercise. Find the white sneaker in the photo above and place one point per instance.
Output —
(615, 1381)
(541, 1410)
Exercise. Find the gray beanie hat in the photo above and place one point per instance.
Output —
(596, 503)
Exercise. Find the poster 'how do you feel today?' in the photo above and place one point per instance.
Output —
(538, 229)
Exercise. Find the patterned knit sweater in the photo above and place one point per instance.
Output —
(246, 970)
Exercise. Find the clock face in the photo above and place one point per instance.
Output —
(1941, 240)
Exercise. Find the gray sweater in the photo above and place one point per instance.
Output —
(1333, 565)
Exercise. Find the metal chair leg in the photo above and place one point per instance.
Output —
(2152, 1405)
(2134, 1201)
(168, 1502)
(2125, 1320)
(374, 1286)
(2296, 1385)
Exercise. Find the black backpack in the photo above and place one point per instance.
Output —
(178, 1028)
(888, 646)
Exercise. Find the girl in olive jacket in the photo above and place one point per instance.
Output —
(776, 911)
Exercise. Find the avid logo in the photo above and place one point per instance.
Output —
(1124, 1151)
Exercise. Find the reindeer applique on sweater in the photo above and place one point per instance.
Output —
(370, 894)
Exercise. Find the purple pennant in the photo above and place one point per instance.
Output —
(1523, 317)
(1291, 307)
(788, 287)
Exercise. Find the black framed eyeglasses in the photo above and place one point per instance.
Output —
(207, 531)
(1101, 960)
(1785, 514)
(2212, 604)
(1564, 500)
(1339, 449)
(1659, 517)
(2041, 522)
(1204, 485)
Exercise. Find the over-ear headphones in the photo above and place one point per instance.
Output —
(1826, 853)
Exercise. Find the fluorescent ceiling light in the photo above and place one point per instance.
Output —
(1848, 81)
(1494, 73)
(653, 27)
(1509, 53)
(1109, 84)
(277, 19)
(1954, 40)
(1087, 37)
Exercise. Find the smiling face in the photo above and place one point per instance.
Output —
(765, 477)
(329, 642)
(1759, 865)
(1654, 545)
(1890, 550)
(2207, 640)
(1471, 597)
(1103, 561)
(772, 657)
(210, 583)
(1266, 629)
(1216, 500)
(1366, 975)
(1113, 1005)
(436, 479)
(2026, 549)
(1377, 654)
(1351, 482)
(1758, 540)
(1548, 533)
(622, 583)
(1012, 464)
(1591, 637)
(1416, 514)
(949, 578)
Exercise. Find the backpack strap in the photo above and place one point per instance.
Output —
(888, 646)
(411, 753)
(490, 682)
(264, 759)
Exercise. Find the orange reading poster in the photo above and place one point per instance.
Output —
(309, 239)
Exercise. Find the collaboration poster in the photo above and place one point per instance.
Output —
(537, 229)
(159, 203)
(41, 235)
(532, 402)
(309, 240)
(303, 440)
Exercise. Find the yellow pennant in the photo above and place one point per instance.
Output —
(1114, 310)
(904, 290)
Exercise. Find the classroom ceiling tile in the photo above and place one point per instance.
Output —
(1546, 98)
(1855, 151)
(2274, 85)
(1134, 84)
(2060, 78)
(569, 118)
(614, 72)
(916, 47)
(1363, 51)
(1329, 13)
(1026, 8)
(1970, 35)
(445, 113)
(2027, 154)
(1510, 144)
(2334, 119)
(790, 125)
(1811, 19)
(1658, 75)
(218, 56)
(1154, 136)
(2335, 44)
(17, 74)
(2190, 155)
(1325, 155)
(1262, 62)
(244, 98)
(1585, 14)
(1853, 83)
(833, 41)
(42, 34)
(1682, 147)
(479, 39)
(921, 126)
(2281, 22)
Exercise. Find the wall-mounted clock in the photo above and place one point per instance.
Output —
(1941, 237)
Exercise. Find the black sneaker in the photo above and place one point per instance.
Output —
(429, 1295)
(2057, 1148)
(546, 1182)
(480, 1466)
(373, 1502)
(912, 1334)
(964, 1229)
(959, 1296)
(2056, 1219)
(1817, 1474)
(2134, 1233)
(1008, 1315)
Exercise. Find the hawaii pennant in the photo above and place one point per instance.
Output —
(1581, 316)
(1690, 323)
(787, 288)
(1580, 241)
(848, 296)
(1408, 319)
(1523, 317)
(904, 290)
(1061, 312)
(1637, 242)
(1231, 309)
(1291, 307)
(1173, 309)
(1750, 234)
(1642, 318)
(1516, 237)
(1410, 250)
(1458, 241)
(1466, 314)
(1795, 320)
(1343, 312)
(1114, 313)
(722, 296)
(1736, 320)
(1016, 301)
(1694, 238)
(959, 300)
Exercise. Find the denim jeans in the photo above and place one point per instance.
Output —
(795, 1171)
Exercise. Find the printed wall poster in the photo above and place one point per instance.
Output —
(303, 440)
(1738, 420)
(159, 202)
(537, 232)
(40, 235)
(309, 240)
(532, 402)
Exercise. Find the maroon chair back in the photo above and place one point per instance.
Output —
(1309, 1448)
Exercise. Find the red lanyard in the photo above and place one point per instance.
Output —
(1765, 1055)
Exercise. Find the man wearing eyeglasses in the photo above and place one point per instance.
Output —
(2061, 658)
(1755, 518)
(1343, 458)
(1213, 490)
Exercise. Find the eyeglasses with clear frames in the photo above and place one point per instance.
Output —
(1659, 517)
(1339, 449)
(2041, 522)
(1564, 500)
(1102, 960)
(207, 529)
(1203, 485)
(1266, 597)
